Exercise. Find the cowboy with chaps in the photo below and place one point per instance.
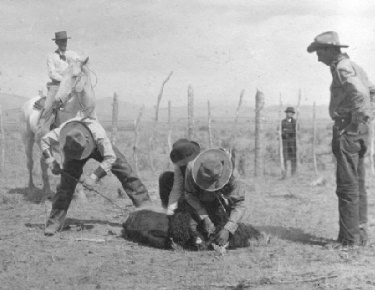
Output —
(81, 139)
(288, 135)
(350, 109)
(57, 62)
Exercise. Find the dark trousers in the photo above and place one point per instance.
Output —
(132, 185)
(290, 153)
(349, 151)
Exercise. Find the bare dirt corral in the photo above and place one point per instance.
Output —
(91, 253)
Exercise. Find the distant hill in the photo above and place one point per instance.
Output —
(10, 101)
(129, 111)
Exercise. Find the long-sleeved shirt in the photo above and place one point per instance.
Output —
(57, 63)
(177, 191)
(350, 91)
(233, 193)
(102, 143)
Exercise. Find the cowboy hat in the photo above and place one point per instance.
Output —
(76, 140)
(289, 110)
(60, 35)
(184, 151)
(325, 39)
(212, 169)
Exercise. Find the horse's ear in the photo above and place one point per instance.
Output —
(85, 60)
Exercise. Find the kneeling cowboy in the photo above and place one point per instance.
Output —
(81, 139)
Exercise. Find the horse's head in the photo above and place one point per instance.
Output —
(76, 82)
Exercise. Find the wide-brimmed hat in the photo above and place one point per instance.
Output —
(60, 35)
(325, 39)
(184, 151)
(212, 169)
(289, 110)
(76, 140)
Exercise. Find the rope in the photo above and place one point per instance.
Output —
(91, 189)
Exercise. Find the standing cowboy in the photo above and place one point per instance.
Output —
(80, 140)
(57, 62)
(288, 134)
(350, 109)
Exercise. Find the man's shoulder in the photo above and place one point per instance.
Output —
(345, 64)
(52, 55)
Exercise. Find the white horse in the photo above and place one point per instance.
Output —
(78, 99)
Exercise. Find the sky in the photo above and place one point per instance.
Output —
(219, 47)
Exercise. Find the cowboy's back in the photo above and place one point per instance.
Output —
(350, 90)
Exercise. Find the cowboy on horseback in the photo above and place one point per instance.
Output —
(57, 63)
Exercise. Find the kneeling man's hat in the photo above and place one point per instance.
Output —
(212, 169)
(325, 39)
(76, 140)
(184, 151)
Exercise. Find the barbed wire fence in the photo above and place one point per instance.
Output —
(248, 143)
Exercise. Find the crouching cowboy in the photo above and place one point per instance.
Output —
(80, 140)
(212, 187)
(210, 199)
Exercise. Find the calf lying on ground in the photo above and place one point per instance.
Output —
(154, 228)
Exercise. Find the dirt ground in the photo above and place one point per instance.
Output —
(91, 253)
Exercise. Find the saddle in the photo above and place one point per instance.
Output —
(39, 104)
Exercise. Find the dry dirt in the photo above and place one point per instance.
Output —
(91, 254)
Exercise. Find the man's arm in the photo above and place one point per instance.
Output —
(105, 148)
(177, 190)
(236, 198)
(48, 141)
(191, 194)
(357, 95)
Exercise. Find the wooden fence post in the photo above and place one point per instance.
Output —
(314, 140)
(280, 133)
(136, 134)
(2, 140)
(156, 119)
(170, 126)
(372, 145)
(190, 113)
(258, 160)
(209, 125)
(298, 143)
(233, 135)
(114, 118)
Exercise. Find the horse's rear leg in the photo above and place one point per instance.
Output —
(29, 145)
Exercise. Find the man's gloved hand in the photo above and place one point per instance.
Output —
(53, 165)
(208, 226)
(222, 237)
(89, 182)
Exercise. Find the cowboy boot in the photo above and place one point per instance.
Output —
(55, 222)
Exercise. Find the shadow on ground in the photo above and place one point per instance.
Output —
(33, 195)
(294, 235)
(78, 224)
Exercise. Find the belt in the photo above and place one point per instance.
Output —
(342, 120)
